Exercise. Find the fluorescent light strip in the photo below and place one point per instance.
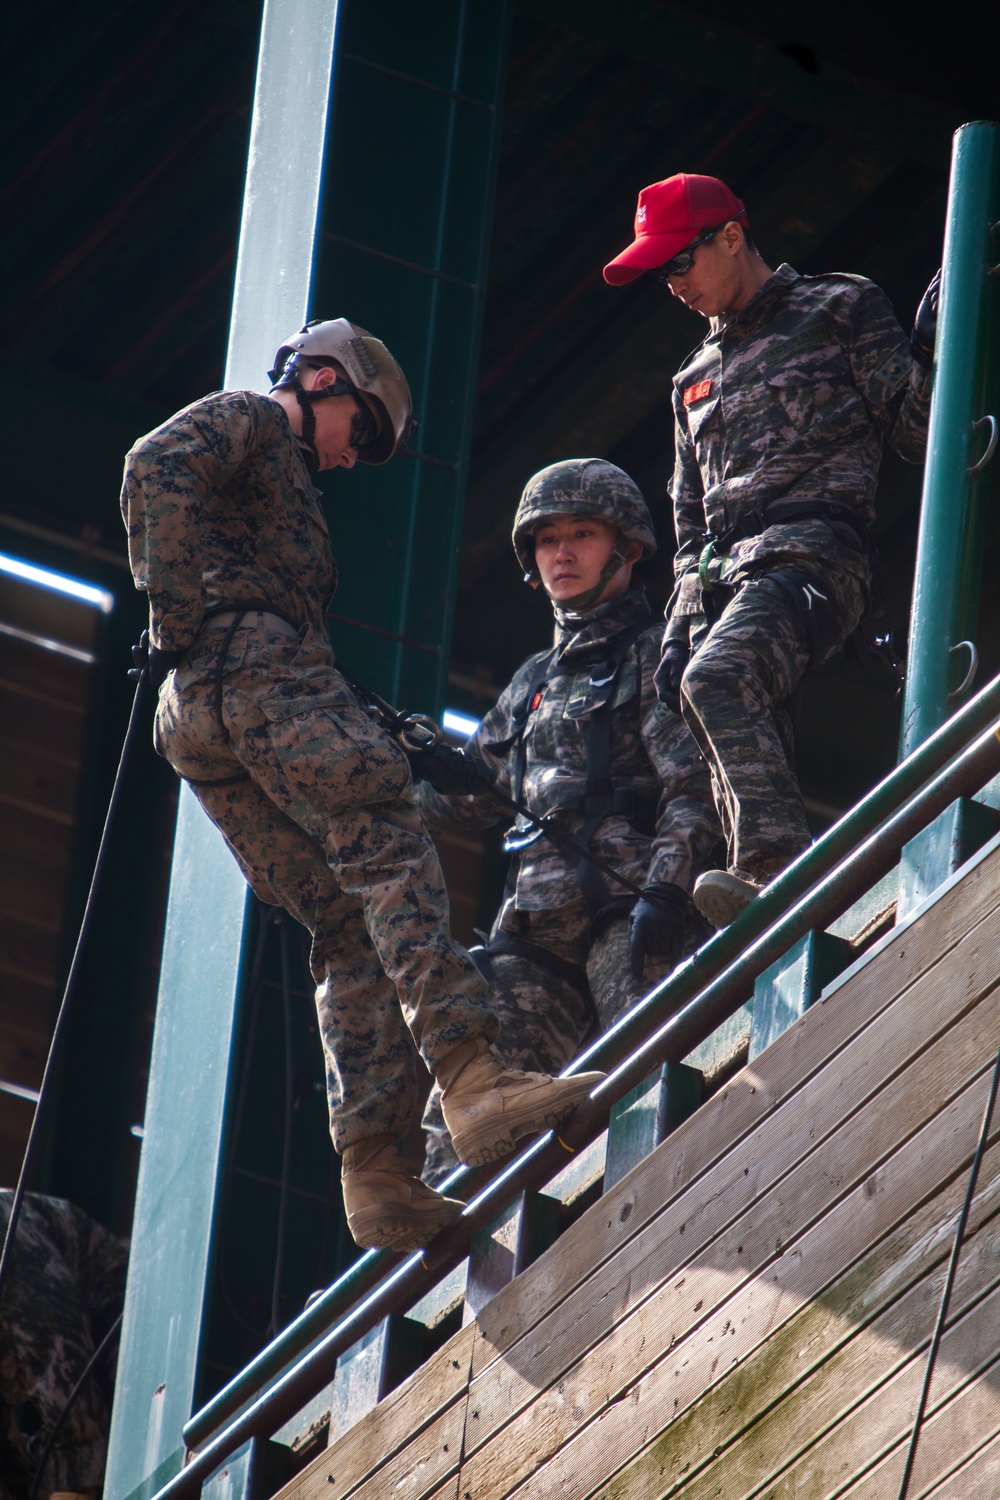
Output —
(59, 582)
(19, 1091)
(454, 722)
(47, 644)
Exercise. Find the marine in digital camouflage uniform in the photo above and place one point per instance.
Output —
(780, 417)
(227, 537)
(560, 952)
(64, 1290)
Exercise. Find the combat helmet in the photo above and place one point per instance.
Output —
(370, 368)
(583, 487)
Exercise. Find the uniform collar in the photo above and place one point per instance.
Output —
(761, 306)
(579, 632)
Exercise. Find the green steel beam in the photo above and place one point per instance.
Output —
(961, 436)
(964, 404)
(403, 247)
(172, 1238)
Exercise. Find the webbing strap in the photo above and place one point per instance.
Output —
(561, 968)
(599, 795)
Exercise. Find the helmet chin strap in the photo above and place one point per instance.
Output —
(307, 400)
(307, 437)
(590, 596)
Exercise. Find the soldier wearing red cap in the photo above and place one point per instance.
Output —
(781, 414)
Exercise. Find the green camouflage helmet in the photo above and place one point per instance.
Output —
(581, 487)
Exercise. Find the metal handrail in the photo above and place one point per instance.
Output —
(722, 950)
(673, 1040)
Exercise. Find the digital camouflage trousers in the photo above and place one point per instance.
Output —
(734, 698)
(545, 1018)
(313, 799)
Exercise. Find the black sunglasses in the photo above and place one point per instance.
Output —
(682, 262)
(364, 428)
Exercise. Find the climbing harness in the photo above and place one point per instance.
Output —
(875, 632)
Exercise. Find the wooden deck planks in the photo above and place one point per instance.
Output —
(854, 1369)
(769, 1195)
(977, 1479)
(845, 1460)
(411, 1440)
(764, 1275)
(726, 1122)
(619, 1396)
(781, 1343)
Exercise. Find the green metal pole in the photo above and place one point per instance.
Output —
(962, 426)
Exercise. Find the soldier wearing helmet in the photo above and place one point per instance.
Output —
(579, 733)
(228, 539)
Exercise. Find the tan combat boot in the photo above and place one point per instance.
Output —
(388, 1207)
(488, 1109)
(721, 895)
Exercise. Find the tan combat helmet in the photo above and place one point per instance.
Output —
(583, 487)
(370, 368)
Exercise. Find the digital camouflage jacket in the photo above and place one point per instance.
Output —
(220, 507)
(651, 751)
(790, 401)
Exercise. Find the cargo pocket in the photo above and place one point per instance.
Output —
(331, 755)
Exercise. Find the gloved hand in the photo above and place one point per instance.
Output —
(656, 924)
(667, 677)
(158, 664)
(451, 771)
(925, 325)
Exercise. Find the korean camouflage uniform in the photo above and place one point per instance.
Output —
(65, 1288)
(544, 1016)
(312, 797)
(789, 402)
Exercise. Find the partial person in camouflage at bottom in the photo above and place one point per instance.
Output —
(580, 732)
(780, 417)
(228, 538)
(65, 1288)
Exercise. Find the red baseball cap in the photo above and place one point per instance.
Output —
(668, 217)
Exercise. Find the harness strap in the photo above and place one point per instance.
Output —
(239, 610)
(599, 794)
(561, 968)
(783, 512)
(539, 677)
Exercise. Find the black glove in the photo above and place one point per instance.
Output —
(925, 324)
(157, 664)
(451, 771)
(657, 923)
(667, 677)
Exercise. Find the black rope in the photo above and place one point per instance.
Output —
(949, 1282)
(70, 1399)
(69, 993)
